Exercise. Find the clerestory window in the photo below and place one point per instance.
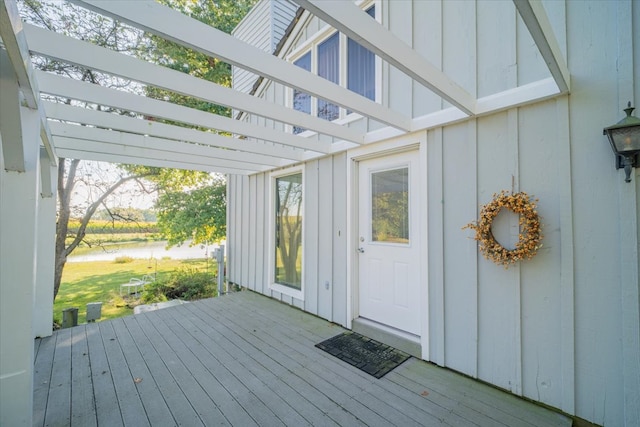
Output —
(340, 60)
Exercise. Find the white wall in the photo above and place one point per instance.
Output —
(563, 328)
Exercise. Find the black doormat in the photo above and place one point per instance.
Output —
(368, 355)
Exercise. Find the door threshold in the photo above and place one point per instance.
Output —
(409, 343)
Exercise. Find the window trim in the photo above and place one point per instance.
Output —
(273, 286)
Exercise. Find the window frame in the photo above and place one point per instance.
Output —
(311, 45)
(273, 285)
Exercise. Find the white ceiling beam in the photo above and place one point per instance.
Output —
(106, 120)
(145, 141)
(171, 25)
(349, 19)
(82, 91)
(535, 18)
(86, 55)
(11, 33)
(136, 155)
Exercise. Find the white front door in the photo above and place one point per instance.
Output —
(388, 241)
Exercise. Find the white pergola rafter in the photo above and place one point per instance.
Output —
(171, 149)
(349, 19)
(269, 154)
(104, 152)
(535, 18)
(88, 92)
(84, 54)
(253, 161)
(171, 25)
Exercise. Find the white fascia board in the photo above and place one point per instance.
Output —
(87, 55)
(171, 25)
(82, 91)
(11, 33)
(131, 155)
(535, 18)
(262, 153)
(232, 158)
(349, 19)
(511, 98)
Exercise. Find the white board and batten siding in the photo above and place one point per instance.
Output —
(561, 329)
(324, 219)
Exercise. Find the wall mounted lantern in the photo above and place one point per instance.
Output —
(624, 137)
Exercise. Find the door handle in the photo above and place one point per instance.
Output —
(361, 250)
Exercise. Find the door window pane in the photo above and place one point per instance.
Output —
(288, 235)
(390, 206)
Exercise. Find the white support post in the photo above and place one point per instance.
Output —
(18, 230)
(43, 300)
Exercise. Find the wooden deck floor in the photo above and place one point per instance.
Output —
(246, 360)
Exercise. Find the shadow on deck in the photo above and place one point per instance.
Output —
(244, 360)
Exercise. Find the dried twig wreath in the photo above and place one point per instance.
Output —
(530, 235)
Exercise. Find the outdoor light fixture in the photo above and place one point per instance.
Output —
(624, 137)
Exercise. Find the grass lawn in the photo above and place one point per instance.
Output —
(99, 281)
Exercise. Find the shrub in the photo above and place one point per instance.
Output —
(186, 284)
(123, 259)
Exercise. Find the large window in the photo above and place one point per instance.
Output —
(288, 231)
(340, 60)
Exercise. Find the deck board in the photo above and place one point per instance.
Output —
(83, 402)
(244, 360)
(177, 403)
(59, 400)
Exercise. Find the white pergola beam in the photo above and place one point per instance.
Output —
(172, 25)
(112, 136)
(349, 19)
(87, 55)
(68, 88)
(535, 18)
(11, 33)
(161, 130)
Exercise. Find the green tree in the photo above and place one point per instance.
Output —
(198, 214)
(221, 14)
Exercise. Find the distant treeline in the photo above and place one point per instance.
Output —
(115, 227)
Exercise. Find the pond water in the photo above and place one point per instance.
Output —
(144, 250)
